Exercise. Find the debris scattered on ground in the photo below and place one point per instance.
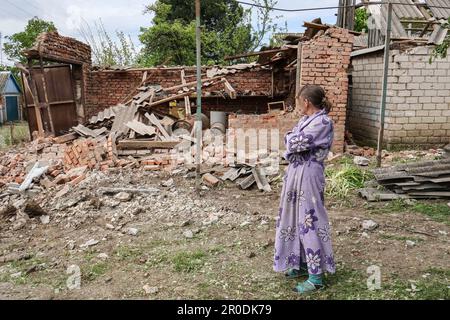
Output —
(425, 179)
(369, 225)
(150, 290)
(89, 243)
(361, 161)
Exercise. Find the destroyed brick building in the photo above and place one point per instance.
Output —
(418, 103)
(77, 91)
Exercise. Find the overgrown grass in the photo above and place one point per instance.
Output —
(92, 272)
(189, 261)
(352, 284)
(439, 212)
(20, 134)
(342, 180)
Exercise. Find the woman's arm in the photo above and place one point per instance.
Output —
(317, 134)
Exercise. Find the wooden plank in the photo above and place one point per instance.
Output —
(182, 95)
(66, 138)
(155, 122)
(229, 89)
(250, 54)
(187, 103)
(36, 107)
(146, 144)
(190, 84)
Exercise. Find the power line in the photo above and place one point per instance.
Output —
(21, 9)
(12, 13)
(337, 7)
(31, 3)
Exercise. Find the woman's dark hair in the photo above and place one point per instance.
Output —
(317, 96)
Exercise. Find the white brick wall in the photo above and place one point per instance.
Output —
(418, 98)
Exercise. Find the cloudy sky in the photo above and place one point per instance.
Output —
(126, 15)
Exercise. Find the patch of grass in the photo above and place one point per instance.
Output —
(399, 238)
(127, 253)
(396, 205)
(20, 134)
(349, 284)
(92, 272)
(157, 259)
(342, 180)
(438, 212)
(189, 261)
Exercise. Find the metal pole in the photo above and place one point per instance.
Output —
(384, 88)
(198, 122)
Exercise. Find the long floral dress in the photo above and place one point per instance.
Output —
(303, 232)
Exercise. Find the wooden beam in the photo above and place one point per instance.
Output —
(146, 144)
(250, 54)
(317, 26)
(187, 103)
(190, 84)
(36, 106)
(44, 87)
(66, 138)
(155, 122)
(229, 89)
(298, 76)
(176, 97)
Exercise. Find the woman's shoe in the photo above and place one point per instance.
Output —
(308, 287)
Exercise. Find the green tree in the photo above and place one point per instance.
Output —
(105, 51)
(20, 41)
(361, 17)
(226, 30)
(441, 50)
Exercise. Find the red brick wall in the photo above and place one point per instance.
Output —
(51, 44)
(108, 88)
(325, 62)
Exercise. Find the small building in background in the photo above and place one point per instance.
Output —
(10, 94)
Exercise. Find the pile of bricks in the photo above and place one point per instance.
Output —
(12, 168)
(84, 152)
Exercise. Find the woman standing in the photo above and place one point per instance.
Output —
(303, 242)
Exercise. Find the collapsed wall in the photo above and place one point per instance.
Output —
(417, 104)
(50, 46)
(325, 62)
(108, 88)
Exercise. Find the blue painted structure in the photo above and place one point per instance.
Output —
(9, 98)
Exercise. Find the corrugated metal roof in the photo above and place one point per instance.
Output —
(439, 13)
(407, 11)
(379, 14)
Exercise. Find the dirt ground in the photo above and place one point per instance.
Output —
(212, 244)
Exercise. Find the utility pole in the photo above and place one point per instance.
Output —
(384, 88)
(198, 123)
(1, 48)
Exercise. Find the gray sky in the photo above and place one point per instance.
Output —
(126, 15)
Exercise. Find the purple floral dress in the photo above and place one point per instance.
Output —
(303, 232)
